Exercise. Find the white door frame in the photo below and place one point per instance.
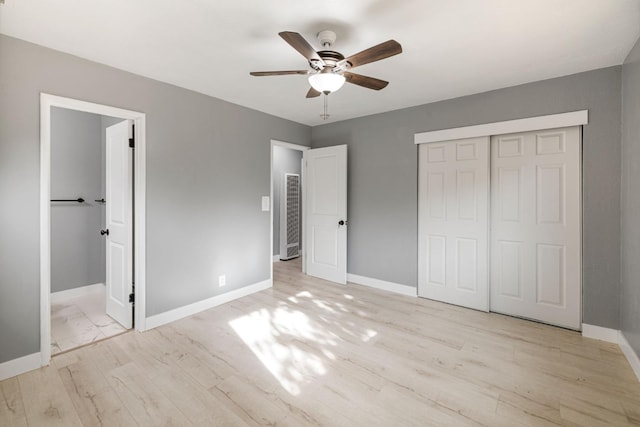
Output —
(291, 146)
(46, 102)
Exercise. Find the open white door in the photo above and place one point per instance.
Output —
(326, 213)
(119, 220)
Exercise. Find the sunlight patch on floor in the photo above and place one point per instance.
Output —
(270, 336)
(294, 348)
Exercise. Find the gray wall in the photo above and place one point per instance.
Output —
(208, 164)
(77, 249)
(285, 160)
(630, 268)
(383, 177)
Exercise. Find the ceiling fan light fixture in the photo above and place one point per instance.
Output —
(326, 82)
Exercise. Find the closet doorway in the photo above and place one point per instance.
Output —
(500, 218)
(83, 187)
(92, 181)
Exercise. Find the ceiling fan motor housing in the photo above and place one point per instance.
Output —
(330, 57)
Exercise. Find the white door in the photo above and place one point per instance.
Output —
(119, 173)
(326, 213)
(452, 222)
(535, 226)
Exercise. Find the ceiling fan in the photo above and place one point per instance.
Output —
(329, 69)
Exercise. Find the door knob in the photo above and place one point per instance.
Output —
(103, 232)
(341, 222)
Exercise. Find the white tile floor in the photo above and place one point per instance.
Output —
(79, 321)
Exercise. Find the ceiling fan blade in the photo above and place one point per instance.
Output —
(278, 73)
(365, 81)
(301, 45)
(313, 93)
(375, 53)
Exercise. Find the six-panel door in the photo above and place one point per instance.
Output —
(453, 234)
(535, 226)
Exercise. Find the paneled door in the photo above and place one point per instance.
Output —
(535, 226)
(325, 211)
(119, 220)
(453, 222)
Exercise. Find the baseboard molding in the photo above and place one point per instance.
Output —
(617, 337)
(276, 258)
(20, 365)
(76, 292)
(383, 285)
(197, 307)
(600, 333)
(632, 356)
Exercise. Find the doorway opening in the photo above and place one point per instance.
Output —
(78, 229)
(92, 180)
(287, 201)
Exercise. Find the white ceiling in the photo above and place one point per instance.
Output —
(451, 47)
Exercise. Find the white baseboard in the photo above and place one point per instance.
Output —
(197, 307)
(276, 258)
(383, 285)
(631, 355)
(76, 292)
(20, 365)
(617, 337)
(600, 333)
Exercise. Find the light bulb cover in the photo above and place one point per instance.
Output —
(326, 82)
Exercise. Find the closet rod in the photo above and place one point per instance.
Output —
(78, 200)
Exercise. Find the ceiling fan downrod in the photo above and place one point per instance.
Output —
(325, 115)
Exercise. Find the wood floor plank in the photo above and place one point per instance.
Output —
(11, 407)
(194, 400)
(45, 399)
(147, 405)
(95, 401)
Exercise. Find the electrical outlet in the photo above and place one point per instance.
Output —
(222, 280)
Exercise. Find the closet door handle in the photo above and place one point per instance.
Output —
(103, 232)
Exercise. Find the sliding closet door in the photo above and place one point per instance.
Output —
(535, 226)
(452, 222)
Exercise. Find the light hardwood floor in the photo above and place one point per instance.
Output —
(308, 352)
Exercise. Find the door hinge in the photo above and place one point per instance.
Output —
(132, 140)
(132, 298)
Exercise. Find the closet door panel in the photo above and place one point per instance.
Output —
(453, 223)
(535, 206)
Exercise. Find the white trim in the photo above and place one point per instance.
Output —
(552, 121)
(632, 356)
(383, 285)
(616, 337)
(276, 258)
(45, 230)
(46, 102)
(275, 142)
(67, 294)
(600, 333)
(20, 365)
(197, 307)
